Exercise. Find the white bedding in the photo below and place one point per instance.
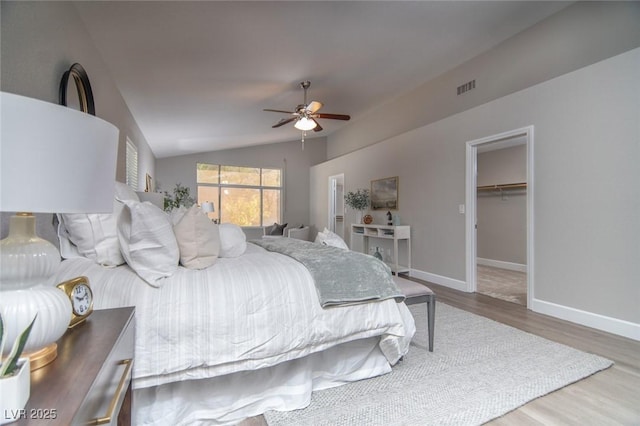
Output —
(244, 313)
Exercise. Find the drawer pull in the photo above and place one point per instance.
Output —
(116, 397)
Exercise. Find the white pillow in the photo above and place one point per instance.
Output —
(333, 239)
(176, 214)
(233, 241)
(94, 236)
(321, 236)
(147, 241)
(198, 239)
(125, 192)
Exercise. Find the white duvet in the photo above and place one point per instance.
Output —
(243, 313)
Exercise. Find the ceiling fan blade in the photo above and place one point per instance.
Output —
(279, 110)
(313, 107)
(283, 122)
(318, 126)
(332, 116)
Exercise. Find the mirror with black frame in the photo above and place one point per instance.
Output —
(82, 97)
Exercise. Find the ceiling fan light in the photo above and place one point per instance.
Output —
(305, 123)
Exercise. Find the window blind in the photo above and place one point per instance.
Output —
(132, 165)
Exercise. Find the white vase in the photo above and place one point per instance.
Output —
(15, 391)
(358, 216)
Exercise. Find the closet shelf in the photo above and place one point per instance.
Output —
(501, 187)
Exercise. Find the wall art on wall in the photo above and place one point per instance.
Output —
(384, 194)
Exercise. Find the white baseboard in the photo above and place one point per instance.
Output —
(439, 279)
(502, 265)
(588, 319)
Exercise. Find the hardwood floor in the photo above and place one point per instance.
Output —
(502, 284)
(610, 397)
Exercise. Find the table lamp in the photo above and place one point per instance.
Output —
(207, 207)
(53, 159)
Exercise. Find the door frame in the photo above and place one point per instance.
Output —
(471, 206)
(332, 202)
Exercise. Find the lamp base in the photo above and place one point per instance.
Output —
(42, 357)
(51, 308)
(26, 260)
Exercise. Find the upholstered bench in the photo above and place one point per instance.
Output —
(419, 293)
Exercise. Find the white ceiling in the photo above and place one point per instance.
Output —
(197, 75)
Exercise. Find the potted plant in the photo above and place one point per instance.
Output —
(15, 376)
(358, 201)
(181, 197)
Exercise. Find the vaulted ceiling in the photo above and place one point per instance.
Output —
(197, 75)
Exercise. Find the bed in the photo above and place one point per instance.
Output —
(242, 336)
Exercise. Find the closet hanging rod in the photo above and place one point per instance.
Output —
(518, 185)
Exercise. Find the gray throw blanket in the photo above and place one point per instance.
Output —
(341, 276)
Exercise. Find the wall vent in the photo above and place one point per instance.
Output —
(466, 87)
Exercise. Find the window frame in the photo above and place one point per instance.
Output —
(221, 186)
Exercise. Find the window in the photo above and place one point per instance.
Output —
(132, 165)
(246, 196)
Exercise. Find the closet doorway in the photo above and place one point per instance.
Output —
(336, 205)
(499, 213)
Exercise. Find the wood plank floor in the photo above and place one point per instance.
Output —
(502, 284)
(610, 397)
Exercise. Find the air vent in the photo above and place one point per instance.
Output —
(466, 87)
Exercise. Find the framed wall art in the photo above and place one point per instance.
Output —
(384, 194)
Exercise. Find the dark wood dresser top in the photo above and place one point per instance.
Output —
(61, 386)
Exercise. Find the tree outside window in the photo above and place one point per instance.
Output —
(246, 196)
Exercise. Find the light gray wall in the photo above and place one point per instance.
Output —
(502, 216)
(579, 35)
(287, 155)
(40, 41)
(587, 197)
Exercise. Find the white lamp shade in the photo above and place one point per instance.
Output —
(207, 207)
(54, 158)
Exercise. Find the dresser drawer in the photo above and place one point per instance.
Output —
(106, 395)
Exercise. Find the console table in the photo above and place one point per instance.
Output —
(387, 232)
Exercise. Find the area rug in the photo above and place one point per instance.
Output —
(479, 370)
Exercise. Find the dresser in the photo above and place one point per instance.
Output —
(90, 380)
(400, 233)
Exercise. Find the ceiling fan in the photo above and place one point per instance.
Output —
(306, 114)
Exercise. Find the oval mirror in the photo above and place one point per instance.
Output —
(82, 97)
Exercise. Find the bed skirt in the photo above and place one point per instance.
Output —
(229, 399)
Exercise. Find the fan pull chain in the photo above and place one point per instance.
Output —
(304, 133)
